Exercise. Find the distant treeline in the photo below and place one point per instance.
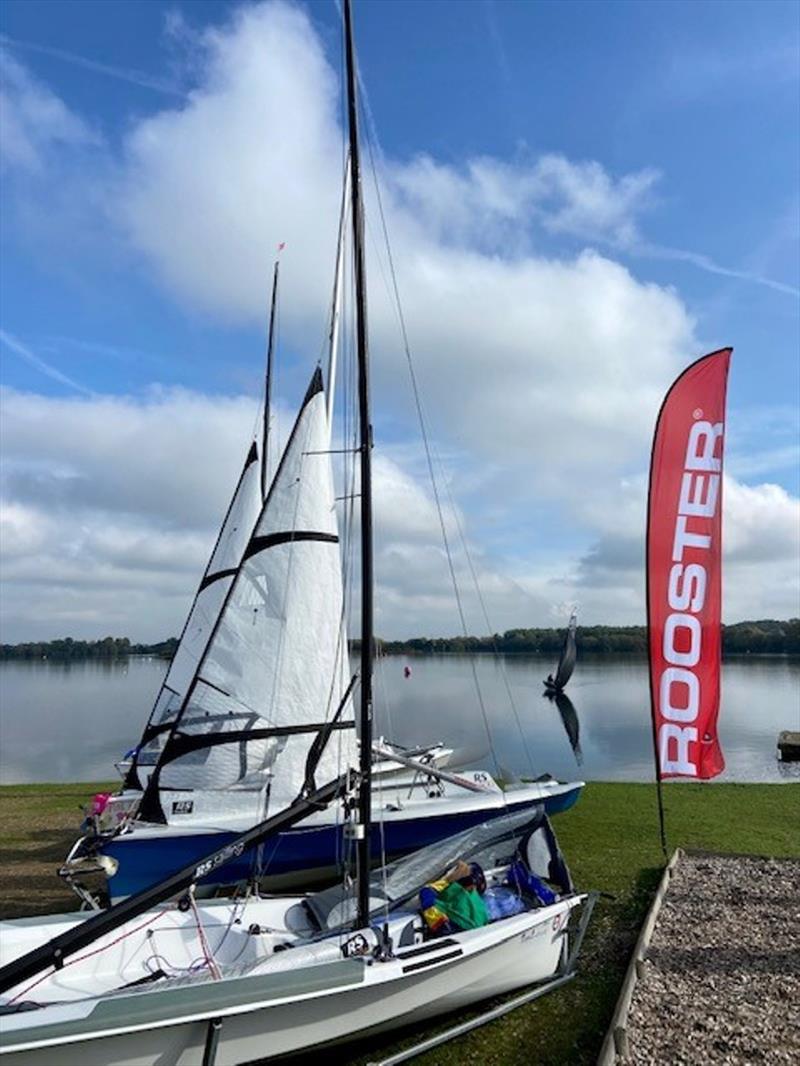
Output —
(766, 637)
(67, 648)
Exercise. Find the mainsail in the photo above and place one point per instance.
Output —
(212, 591)
(273, 670)
(566, 663)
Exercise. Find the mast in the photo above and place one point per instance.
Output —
(268, 383)
(365, 445)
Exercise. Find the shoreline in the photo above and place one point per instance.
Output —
(638, 654)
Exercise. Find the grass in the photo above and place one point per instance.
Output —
(610, 840)
(38, 825)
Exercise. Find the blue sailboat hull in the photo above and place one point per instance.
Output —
(300, 854)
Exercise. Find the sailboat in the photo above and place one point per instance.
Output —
(261, 665)
(566, 661)
(160, 978)
(261, 668)
(219, 767)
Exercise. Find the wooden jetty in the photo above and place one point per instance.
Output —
(789, 746)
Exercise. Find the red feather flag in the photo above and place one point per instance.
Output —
(684, 570)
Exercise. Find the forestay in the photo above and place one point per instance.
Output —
(275, 666)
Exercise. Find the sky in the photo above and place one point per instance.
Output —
(580, 198)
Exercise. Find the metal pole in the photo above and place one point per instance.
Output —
(268, 383)
(367, 636)
(212, 1042)
(466, 1027)
(656, 759)
(424, 768)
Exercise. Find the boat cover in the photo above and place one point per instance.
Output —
(525, 834)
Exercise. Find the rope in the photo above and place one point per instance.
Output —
(212, 966)
(90, 954)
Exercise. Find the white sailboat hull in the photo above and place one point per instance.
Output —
(272, 1015)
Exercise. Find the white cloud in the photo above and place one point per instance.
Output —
(110, 506)
(762, 525)
(519, 353)
(761, 556)
(543, 373)
(488, 199)
(172, 456)
(207, 191)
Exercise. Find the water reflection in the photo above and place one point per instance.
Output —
(569, 719)
(71, 721)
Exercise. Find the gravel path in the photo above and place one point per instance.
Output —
(722, 978)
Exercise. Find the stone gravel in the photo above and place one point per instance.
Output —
(721, 979)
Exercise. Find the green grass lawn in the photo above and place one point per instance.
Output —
(610, 840)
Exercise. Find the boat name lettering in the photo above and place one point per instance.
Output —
(529, 934)
(355, 946)
(233, 852)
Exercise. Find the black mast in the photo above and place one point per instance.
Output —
(268, 383)
(365, 739)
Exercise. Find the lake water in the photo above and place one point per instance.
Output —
(71, 721)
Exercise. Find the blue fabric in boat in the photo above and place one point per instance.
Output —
(502, 902)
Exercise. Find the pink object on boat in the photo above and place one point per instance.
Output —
(100, 802)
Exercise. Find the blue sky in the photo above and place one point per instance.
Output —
(616, 182)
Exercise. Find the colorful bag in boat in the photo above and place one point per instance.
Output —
(520, 877)
(435, 918)
(444, 903)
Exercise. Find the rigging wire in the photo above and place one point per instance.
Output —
(213, 969)
(426, 445)
(372, 139)
(490, 629)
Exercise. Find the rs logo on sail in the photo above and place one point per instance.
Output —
(679, 686)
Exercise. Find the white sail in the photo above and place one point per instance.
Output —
(216, 582)
(277, 656)
(215, 585)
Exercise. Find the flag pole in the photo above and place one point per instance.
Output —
(648, 598)
(684, 574)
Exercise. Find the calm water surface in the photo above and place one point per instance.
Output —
(71, 721)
